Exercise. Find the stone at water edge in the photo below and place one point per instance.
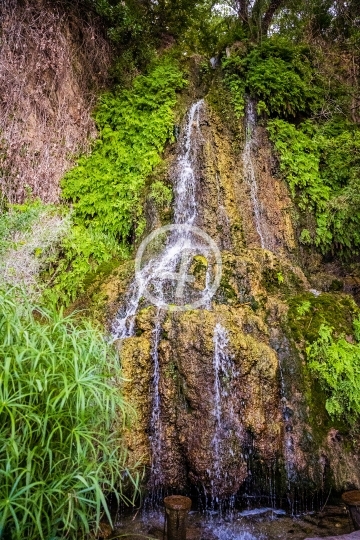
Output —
(352, 536)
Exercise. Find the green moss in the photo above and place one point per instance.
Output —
(334, 309)
(102, 272)
(319, 418)
(305, 316)
(279, 279)
(171, 371)
(226, 291)
(220, 100)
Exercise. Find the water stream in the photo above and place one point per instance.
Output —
(227, 427)
(158, 275)
(173, 260)
(156, 424)
(250, 176)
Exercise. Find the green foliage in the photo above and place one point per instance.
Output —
(277, 73)
(82, 251)
(336, 363)
(303, 308)
(129, 20)
(281, 75)
(61, 451)
(299, 161)
(321, 165)
(17, 218)
(308, 312)
(161, 194)
(237, 88)
(106, 187)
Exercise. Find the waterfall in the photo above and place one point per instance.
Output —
(250, 176)
(156, 425)
(226, 424)
(181, 244)
(171, 259)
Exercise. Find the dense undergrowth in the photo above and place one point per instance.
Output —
(105, 189)
(134, 126)
(336, 364)
(61, 417)
(309, 123)
(321, 163)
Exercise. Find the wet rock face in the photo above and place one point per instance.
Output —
(207, 413)
(222, 398)
(222, 406)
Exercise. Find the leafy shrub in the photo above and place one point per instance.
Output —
(81, 253)
(161, 194)
(277, 73)
(336, 363)
(285, 88)
(321, 165)
(300, 161)
(60, 446)
(106, 187)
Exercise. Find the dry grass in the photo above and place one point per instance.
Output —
(31, 249)
(52, 64)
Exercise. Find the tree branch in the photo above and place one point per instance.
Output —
(269, 14)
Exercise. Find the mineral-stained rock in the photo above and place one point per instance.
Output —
(238, 413)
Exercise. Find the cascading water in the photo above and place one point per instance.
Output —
(156, 425)
(174, 260)
(250, 176)
(226, 423)
(181, 245)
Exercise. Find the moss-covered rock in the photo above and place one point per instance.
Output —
(307, 312)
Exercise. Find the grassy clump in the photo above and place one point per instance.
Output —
(17, 219)
(61, 414)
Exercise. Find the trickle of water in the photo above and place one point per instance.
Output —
(250, 176)
(224, 375)
(181, 245)
(156, 424)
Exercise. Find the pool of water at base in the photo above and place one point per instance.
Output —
(255, 524)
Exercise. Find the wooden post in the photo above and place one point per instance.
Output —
(176, 508)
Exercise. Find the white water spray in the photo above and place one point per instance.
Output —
(181, 245)
(250, 176)
(224, 377)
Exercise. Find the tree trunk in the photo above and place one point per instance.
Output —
(269, 14)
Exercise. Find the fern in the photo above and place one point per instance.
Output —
(321, 166)
(106, 187)
(336, 363)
